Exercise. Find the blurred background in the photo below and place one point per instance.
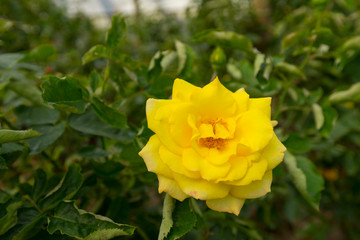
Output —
(305, 53)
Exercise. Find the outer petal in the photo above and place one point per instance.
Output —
(242, 100)
(180, 130)
(158, 113)
(174, 162)
(150, 154)
(261, 104)
(152, 106)
(201, 189)
(183, 90)
(274, 152)
(254, 130)
(255, 189)
(255, 172)
(214, 100)
(171, 187)
(228, 204)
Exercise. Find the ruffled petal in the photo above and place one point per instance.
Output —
(239, 167)
(152, 107)
(150, 154)
(180, 130)
(274, 152)
(171, 187)
(201, 189)
(212, 172)
(255, 189)
(254, 130)
(190, 160)
(228, 204)
(158, 113)
(255, 172)
(182, 90)
(214, 100)
(174, 162)
(261, 104)
(242, 100)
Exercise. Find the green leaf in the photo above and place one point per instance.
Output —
(50, 135)
(184, 220)
(5, 25)
(116, 32)
(294, 39)
(3, 165)
(351, 44)
(107, 168)
(11, 147)
(92, 152)
(16, 135)
(330, 116)
(89, 123)
(65, 93)
(318, 115)
(323, 36)
(41, 52)
(95, 79)
(8, 60)
(39, 184)
(30, 116)
(225, 39)
(109, 115)
(297, 144)
(305, 178)
(27, 90)
(186, 56)
(71, 221)
(167, 221)
(29, 224)
(350, 95)
(65, 190)
(290, 69)
(10, 219)
(96, 52)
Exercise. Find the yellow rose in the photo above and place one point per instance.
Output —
(212, 144)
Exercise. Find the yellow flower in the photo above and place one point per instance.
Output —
(212, 144)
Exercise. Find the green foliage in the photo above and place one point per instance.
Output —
(73, 117)
(83, 225)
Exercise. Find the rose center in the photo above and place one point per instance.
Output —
(210, 142)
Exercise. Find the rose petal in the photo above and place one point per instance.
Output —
(255, 189)
(171, 187)
(254, 130)
(183, 90)
(150, 154)
(158, 112)
(201, 189)
(261, 104)
(228, 204)
(274, 152)
(242, 100)
(174, 162)
(254, 173)
(214, 100)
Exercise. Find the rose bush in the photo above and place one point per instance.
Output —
(212, 144)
